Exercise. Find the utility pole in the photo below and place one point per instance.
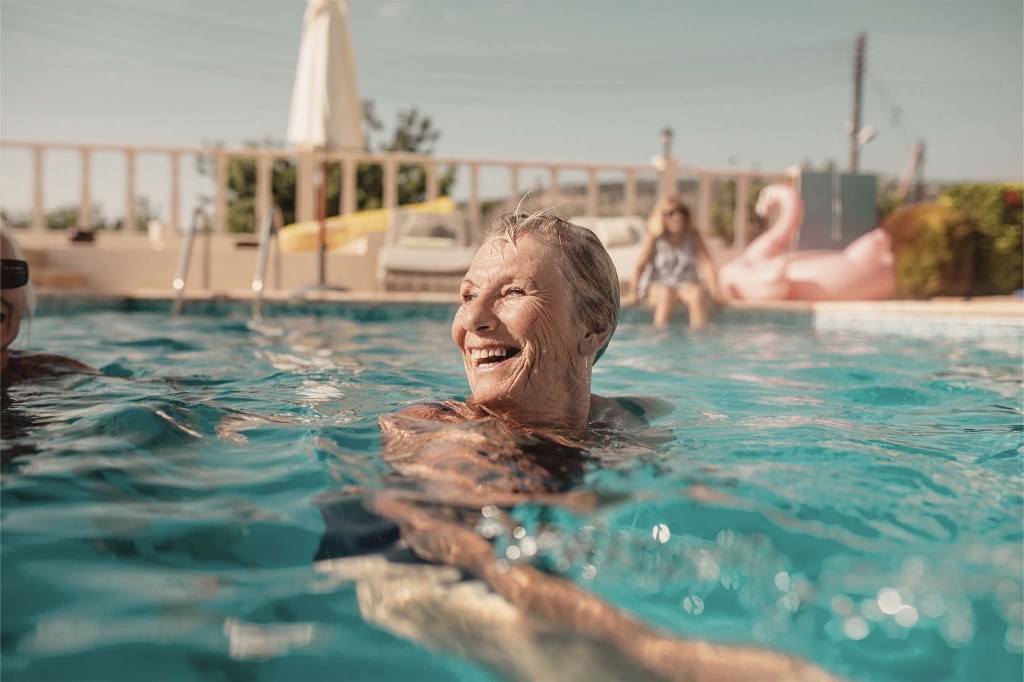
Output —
(858, 77)
(913, 175)
(919, 184)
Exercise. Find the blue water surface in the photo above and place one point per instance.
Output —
(852, 499)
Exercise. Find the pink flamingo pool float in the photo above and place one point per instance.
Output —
(766, 271)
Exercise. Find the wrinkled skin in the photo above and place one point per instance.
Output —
(515, 299)
(864, 270)
(523, 437)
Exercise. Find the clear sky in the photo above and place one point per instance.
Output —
(765, 83)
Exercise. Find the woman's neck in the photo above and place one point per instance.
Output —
(562, 408)
(675, 238)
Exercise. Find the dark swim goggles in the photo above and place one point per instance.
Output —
(13, 273)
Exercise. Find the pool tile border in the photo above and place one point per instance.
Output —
(942, 318)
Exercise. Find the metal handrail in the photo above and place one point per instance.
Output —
(200, 220)
(268, 233)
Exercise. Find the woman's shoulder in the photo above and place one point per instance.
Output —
(55, 361)
(439, 411)
(626, 411)
(444, 411)
(26, 365)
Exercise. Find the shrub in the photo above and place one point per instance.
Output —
(997, 211)
(934, 248)
(723, 211)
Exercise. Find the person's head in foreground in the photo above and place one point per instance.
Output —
(669, 215)
(16, 294)
(539, 305)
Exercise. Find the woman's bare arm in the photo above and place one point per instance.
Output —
(643, 259)
(706, 268)
(572, 608)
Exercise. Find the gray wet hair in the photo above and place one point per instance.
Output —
(587, 267)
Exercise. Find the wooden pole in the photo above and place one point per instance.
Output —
(176, 192)
(38, 212)
(85, 202)
(322, 218)
(858, 78)
(129, 200)
(631, 206)
(221, 207)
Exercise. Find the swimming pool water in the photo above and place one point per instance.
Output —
(852, 499)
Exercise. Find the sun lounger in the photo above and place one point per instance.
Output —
(621, 236)
(425, 252)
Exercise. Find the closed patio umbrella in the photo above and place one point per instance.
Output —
(326, 112)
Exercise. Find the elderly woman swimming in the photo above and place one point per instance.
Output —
(539, 305)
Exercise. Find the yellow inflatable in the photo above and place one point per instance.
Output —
(344, 228)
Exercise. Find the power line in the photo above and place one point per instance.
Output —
(150, 54)
(468, 67)
(604, 102)
(139, 8)
(897, 116)
(670, 73)
(448, 77)
(666, 90)
(133, 30)
(635, 62)
(432, 82)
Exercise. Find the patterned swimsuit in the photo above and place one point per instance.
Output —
(671, 265)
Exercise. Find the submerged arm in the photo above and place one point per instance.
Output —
(569, 607)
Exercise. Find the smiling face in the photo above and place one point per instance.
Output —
(527, 354)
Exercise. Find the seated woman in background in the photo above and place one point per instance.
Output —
(539, 305)
(17, 298)
(674, 266)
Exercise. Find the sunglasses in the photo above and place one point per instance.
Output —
(674, 211)
(13, 273)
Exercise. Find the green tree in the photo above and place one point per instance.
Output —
(66, 217)
(414, 133)
(143, 214)
(15, 220)
(723, 210)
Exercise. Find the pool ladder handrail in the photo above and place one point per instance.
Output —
(268, 236)
(200, 221)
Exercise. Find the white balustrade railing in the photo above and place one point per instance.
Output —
(307, 163)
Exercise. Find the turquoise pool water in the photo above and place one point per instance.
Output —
(852, 499)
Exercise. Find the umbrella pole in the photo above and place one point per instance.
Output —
(322, 232)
